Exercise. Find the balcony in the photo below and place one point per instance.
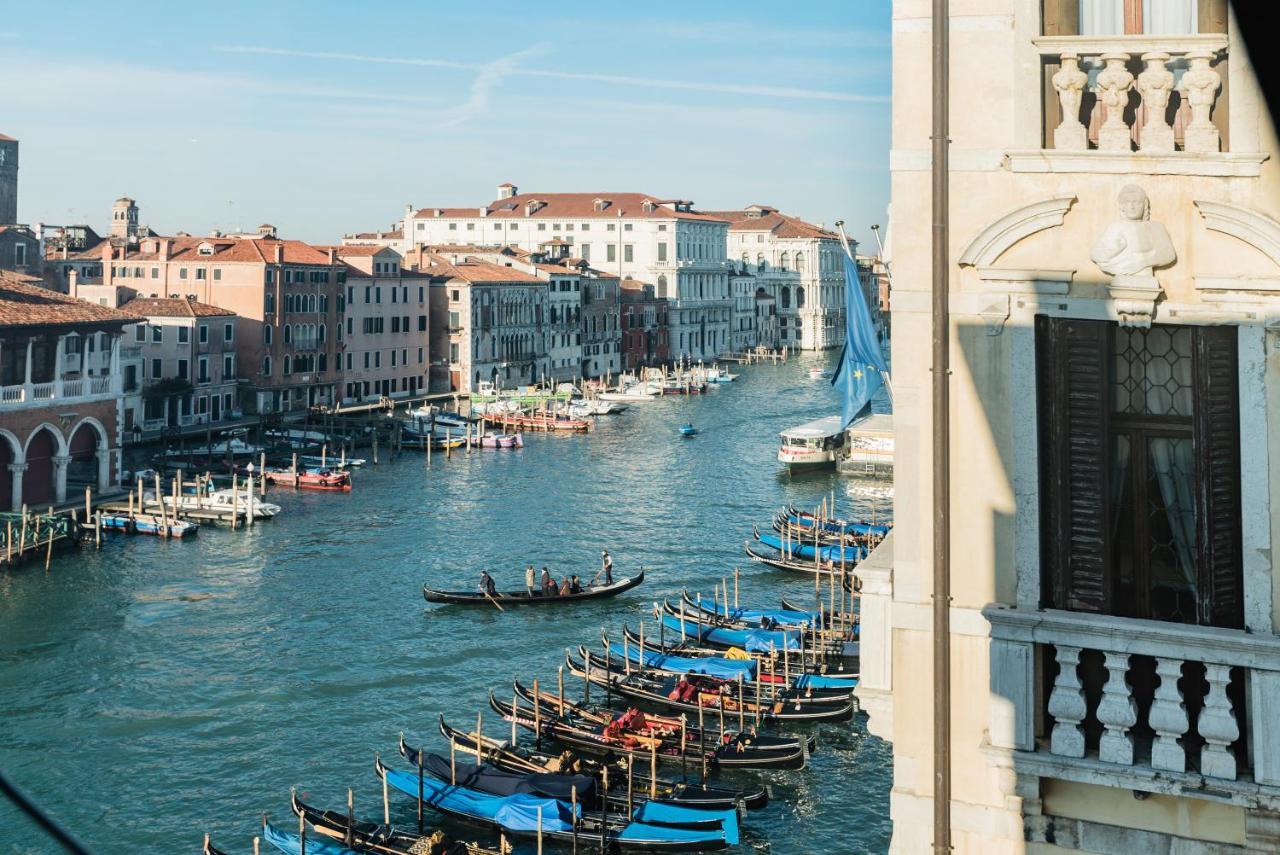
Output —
(1136, 103)
(1142, 705)
(56, 391)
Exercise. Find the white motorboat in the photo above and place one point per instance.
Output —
(812, 445)
(648, 391)
(219, 499)
(234, 447)
(595, 407)
(443, 418)
(504, 407)
(719, 375)
(298, 436)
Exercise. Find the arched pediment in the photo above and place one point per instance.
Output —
(1019, 223)
(1258, 230)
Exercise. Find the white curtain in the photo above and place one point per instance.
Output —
(1169, 17)
(1172, 463)
(1102, 17)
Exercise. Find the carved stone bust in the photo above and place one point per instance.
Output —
(1133, 245)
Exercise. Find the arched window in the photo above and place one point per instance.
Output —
(322, 333)
(760, 262)
(784, 260)
(799, 297)
(785, 297)
(322, 362)
(746, 261)
(314, 302)
(324, 303)
(288, 336)
(266, 366)
(266, 334)
(287, 365)
(799, 261)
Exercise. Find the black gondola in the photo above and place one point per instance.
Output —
(523, 598)
(362, 836)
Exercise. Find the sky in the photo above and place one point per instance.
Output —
(327, 118)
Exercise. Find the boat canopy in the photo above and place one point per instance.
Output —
(816, 429)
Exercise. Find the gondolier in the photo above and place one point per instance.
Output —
(530, 579)
(607, 567)
(486, 583)
(548, 584)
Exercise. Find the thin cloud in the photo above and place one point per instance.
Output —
(620, 80)
(485, 82)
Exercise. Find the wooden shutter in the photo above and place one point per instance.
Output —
(1217, 453)
(1073, 359)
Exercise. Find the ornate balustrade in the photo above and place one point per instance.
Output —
(1146, 705)
(1155, 94)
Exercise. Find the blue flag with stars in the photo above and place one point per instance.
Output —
(862, 366)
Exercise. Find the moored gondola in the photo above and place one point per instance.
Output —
(712, 794)
(524, 598)
(362, 836)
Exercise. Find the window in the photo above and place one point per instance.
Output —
(157, 335)
(202, 370)
(454, 321)
(422, 294)
(584, 250)
(377, 359)
(662, 251)
(421, 356)
(269, 302)
(366, 359)
(155, 273)
(611, 252)
(1140, 451)
(288, 365)
(542, 227)
(155, 369)
(626, 227)
(393, 359)
(799, 297)
(182, 369)
(140, 332)
(288, 336)
(422, 323)
(453, 352)
(266, 334)
(228, 366)
(217, 274)
(611, 227)
(393, 295)
(799, 261)
(471, 227)
(395, 324)
(184, 335)
(453, 227)
(182, 273)
(200, 273)
(377, 295)
(662, 227)
(19, 255)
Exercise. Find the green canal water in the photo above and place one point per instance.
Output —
(151, 691)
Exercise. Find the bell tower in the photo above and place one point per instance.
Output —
(124, 219)
(8, 180)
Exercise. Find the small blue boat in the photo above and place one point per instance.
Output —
(715, 666)
(750, 640)
(688, 431)
(805, 551)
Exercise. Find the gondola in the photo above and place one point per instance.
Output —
(709, 631)
(361, 836)
(709, 795)
(745, 616)
(778, 562)
(533, 817)
(671, 693)
(642, 739)
(523, 598)
(797, 549)
(799, 530)
(806, 519)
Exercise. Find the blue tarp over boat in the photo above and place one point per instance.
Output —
(751, 640)
(794, 549)
(841, 527)
(715, 666)
(520, 809)
(786, 617)
(490, 779)
(662, 813)
(291, 844)
(819, 681)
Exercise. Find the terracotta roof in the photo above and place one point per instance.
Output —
(361, 250)
(779, 224)
(230, 250)
(475, 270)
(23, 304)
(575, 206)
(174, 307)
(374, 235)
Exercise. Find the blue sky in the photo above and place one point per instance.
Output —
(325, 118)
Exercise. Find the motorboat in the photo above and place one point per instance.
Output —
(501, 440)
(647, 391)
(688, 431)
(718, 375)
(218, 499)
(234, 447)
(441, 417)
(595, 407)
(812, 445)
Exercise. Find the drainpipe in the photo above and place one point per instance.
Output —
(941, 446)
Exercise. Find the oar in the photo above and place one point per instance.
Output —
(496, 604)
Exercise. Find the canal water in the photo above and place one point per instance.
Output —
(154, 691)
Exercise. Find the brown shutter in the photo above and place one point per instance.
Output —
(1074, 408)
(1217, 451)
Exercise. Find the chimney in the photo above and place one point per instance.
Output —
(333, 255)
(165, 246)
(279, 253)
(73, 282)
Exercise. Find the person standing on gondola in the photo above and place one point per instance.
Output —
(548, 584)
(575, 586)
(529, 579)
(607, 566)
(486, 583)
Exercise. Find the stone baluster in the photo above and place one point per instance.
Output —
(1069, 81)
(1168, 718)
(1199, 88)
(1218, 725)
(1113, 85)
(1117, 713)
(1155, 84)
(1067, 705)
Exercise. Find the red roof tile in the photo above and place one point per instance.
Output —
(475, 270)
(173, 307)
(23, 304)
(779, 224)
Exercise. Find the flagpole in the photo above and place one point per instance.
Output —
(844, 243)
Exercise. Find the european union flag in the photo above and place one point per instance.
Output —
(862, 366)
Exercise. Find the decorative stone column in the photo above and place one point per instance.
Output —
(1117, 713)
(1067, 705)
(60, 463)
(1218, 725)
(1069, 81)
(1199, 87)
(1113, 85)
(1155, 84)
(16, 471)
(1168, 718)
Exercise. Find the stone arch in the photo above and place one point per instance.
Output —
(1256, 229)
(87, 446)
(1019, 223)
(11, 452)
(38, 482)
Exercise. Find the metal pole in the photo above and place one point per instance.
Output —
(941, 442)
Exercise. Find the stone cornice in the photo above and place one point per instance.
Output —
(1213, 165)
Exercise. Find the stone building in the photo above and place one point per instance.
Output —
(60, 394)
(1113, 266)
(646, 330)
(663, 241)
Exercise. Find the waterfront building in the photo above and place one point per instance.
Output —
(768, 332)
(386, 335)
(20, 250)
(494, 317)
(743, 335)
(1114, 403)
(60, 394)
(287, 296)
(646, 331)
(663, 241)
(187, 351)
(800, 264)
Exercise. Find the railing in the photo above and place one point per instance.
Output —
(72, 388)
(29, 393)
(1141, 704)
(1155, 94)
(99, 385)
(42, 391)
